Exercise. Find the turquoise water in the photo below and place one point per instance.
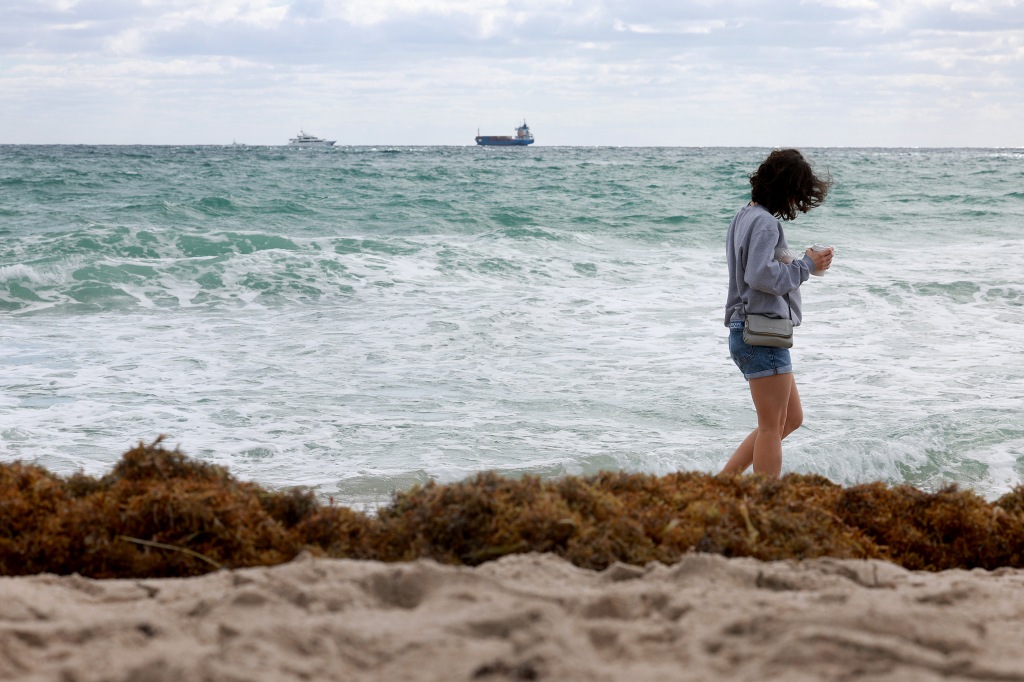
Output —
(361, 319)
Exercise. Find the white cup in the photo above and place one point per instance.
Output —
(819, 248)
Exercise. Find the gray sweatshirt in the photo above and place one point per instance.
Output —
(757, 281)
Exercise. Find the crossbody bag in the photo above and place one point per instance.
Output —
(759, 330)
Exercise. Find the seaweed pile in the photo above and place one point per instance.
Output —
(160, 514)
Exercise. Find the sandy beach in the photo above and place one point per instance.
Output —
(524, 617)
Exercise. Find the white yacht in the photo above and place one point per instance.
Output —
(304, 139)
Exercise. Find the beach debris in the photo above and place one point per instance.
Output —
(159, 513)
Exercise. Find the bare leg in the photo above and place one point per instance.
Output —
(792, 418)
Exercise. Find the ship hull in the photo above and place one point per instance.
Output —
(499, 141)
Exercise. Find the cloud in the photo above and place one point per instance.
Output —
(569, 59)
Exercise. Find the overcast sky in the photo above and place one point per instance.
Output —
(581, 72)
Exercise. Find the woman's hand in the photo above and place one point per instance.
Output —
(822, 259)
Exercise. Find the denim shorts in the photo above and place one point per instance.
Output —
(756, 361)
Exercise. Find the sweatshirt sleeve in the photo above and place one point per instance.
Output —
(766, 274)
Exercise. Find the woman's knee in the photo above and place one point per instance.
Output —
(792, 422)
(794, 412)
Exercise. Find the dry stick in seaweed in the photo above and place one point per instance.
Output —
(173, 548)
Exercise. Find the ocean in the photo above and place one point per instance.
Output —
(362, 319)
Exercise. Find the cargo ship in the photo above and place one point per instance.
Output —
(521, 138)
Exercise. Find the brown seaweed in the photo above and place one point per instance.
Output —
(159, 513)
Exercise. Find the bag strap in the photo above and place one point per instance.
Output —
(789, 304)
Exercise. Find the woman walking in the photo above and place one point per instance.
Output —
(764, 279)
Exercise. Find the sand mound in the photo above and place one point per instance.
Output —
(523, 617)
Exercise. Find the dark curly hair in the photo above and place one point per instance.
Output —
(784, 184)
